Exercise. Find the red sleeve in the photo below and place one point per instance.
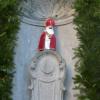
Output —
(53, 42)
(41, 42)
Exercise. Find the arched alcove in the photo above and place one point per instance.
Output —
(28, 37)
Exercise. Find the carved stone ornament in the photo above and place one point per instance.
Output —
(47, 71)
(36, 11)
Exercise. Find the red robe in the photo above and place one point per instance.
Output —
(41, 45)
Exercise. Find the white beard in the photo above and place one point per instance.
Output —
(50, 31)
(47, 39)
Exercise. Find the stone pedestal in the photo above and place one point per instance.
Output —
(47, 71)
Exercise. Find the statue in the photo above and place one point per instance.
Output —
(48, 39)
(47, 69)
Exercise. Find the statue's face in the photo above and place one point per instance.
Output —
(50, 27)
(50, 30)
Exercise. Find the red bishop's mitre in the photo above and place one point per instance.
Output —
(49, 22)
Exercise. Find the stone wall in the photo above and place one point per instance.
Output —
(28, 38)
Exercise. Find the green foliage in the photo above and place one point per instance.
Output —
(87, 20)
(8, 28)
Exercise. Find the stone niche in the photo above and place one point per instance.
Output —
(47, 72)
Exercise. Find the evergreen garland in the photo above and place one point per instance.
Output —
(87, 20)
(8, 28)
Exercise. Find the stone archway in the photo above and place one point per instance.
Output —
(34, 12)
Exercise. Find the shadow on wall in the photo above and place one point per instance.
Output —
(68, 82)
(58, 46)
